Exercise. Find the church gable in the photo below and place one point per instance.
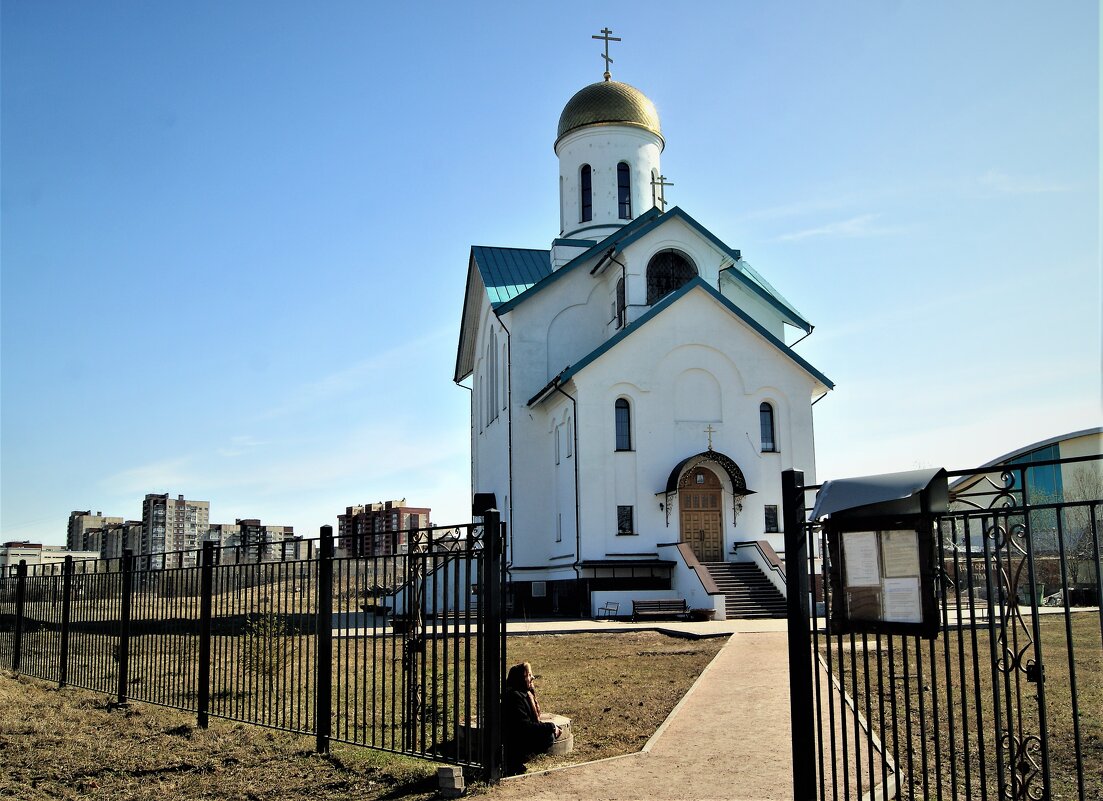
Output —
(715, 262)
(667, 308)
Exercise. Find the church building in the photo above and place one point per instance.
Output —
(634, 393)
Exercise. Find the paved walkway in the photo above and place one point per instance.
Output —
(727, 739)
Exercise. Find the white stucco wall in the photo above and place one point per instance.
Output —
(603, 147)
(742, 369)
(694, 365)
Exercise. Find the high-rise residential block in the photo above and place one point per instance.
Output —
(174, 524)
(86, 530)
(379, 529)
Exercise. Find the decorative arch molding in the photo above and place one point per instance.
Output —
(679, 478)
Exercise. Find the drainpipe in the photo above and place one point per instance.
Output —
(806, 335)
(577, 516)
(509, 433)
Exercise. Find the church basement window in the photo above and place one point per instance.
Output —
(625, 521)
(771, 519)
(624, 192)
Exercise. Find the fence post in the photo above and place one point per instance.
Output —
(127, 576)
(491, 635)
(206, 590)
(20, 603)
(801, 706)
(323, 704)
(66, 608)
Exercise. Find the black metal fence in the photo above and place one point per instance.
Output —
(1007, 700)
(401, 652)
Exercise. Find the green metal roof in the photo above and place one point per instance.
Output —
(507, 272)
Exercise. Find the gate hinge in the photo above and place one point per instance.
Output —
(1034, 673)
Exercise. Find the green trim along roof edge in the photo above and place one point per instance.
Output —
(697, 283)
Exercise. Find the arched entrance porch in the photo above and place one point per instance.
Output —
(704, 486)
(700, 516)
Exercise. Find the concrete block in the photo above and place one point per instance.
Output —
(450, 781)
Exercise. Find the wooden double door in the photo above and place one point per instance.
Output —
(702, 519)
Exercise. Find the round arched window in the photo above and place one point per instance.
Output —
(667, 271)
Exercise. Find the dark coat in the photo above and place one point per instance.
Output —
(522, 732)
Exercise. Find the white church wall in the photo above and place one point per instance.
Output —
(758, 309)
(706, 258)
(577, 329)
(490, 439)
(741, 362)
(603, 148)
(687, 584)
(544, 530)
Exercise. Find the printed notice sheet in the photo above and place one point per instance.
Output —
(901, 600)
(860, 555)
(900, 551)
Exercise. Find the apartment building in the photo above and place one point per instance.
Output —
(174, 524)
(117, 537)
(252, 540)
(379, 529)
(86, 530)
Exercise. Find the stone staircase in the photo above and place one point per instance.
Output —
(747, 592)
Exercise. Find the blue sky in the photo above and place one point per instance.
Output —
(235, 235)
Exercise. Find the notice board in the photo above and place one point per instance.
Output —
(881, 577)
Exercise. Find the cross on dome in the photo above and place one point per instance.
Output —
(606, 35)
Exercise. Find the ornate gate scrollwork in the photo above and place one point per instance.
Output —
(1014, 652)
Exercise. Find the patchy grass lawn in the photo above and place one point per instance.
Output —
(950, 751)
(616, 689)
(68, 744)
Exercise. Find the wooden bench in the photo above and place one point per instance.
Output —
(661, 608)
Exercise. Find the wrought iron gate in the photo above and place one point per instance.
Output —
(394, 641)
(1007, 700)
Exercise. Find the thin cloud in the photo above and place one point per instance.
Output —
(862, 226)
(149, 477)
(802, 208)
(239, 446)
(365, 373)
(1002, 183)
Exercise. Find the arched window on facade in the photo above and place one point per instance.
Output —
(654, 189)
(621, 303)
(586, 193)
(623, 414)
(491, 386)
(667, 271)
(624, 192)
(505, 377)
(766, 424)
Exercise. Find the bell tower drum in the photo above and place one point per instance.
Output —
(608, 144)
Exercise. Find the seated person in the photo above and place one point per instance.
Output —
(523, 733)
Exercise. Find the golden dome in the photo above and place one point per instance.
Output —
(609, 103)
